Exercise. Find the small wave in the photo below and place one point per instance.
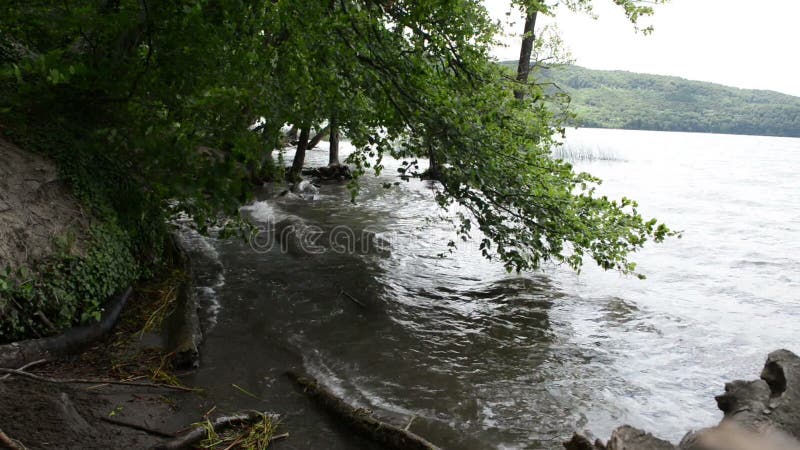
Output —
(742, 263)
(315, 366)
(350, 388)
(208, 296)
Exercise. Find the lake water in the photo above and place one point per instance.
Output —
(485, 359)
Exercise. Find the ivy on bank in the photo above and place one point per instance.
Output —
(126, 238)
(67, 290)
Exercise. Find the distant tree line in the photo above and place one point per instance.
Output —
(635, 101)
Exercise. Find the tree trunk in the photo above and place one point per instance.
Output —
(318, 137)
(333, 156)
(434, 170)
(300, 155)
(524, 65)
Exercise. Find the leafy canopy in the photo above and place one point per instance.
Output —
(634, 9)
(168, 91)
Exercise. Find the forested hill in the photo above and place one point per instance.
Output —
(618, 99)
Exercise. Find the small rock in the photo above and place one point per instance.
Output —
(629, 438)
(581, 442)
(305, 189)
(762, 414)
(578, 442)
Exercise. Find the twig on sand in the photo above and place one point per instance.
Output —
(235, 443)
(353, 299)
(278, 437)
(26, 366)
(94, 382)
(137, 427)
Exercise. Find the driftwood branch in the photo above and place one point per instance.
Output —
(279, 437)
(353, 299)
(199, 432)
(361, 420)
(26, 366)
(136, 426)
(90, 381)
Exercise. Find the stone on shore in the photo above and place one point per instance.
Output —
(762, 414)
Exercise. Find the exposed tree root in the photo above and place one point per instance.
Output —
(18, 353)
(361, 420)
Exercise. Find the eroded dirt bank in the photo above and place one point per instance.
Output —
(36, 209)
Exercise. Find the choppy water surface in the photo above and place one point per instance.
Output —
(486, 359)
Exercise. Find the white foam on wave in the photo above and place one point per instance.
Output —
(209, 273)
(356, 393)
(193, 240)
(263, 212)
(211, 305)
(314, 365)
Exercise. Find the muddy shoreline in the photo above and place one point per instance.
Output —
(42, 415)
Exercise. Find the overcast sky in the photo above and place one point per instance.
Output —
(742, 43)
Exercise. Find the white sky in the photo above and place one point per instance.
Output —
(742, 43)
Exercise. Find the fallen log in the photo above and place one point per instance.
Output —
(200, 432)
(360, 419)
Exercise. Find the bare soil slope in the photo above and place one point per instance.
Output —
(37, 210)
